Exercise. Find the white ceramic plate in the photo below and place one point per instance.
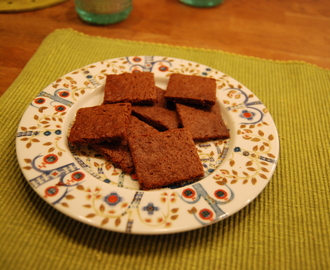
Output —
(81, 184)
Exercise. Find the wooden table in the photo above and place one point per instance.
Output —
(272, 29)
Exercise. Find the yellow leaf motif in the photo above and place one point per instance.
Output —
(192, 210)
(254, 181)
(249, 163)
(104, 221)
(47, 143)
(117, 222)
(264, 169)
(262, 176)
(271, 155)
(222, 182)
(80, 187)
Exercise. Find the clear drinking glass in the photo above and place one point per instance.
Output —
(202, 3)
(103, 11)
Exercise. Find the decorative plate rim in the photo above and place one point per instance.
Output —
(244, 164)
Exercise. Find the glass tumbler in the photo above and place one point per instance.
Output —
(202, 3)
(103, 11)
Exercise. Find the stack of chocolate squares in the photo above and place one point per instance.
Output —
(151, 132)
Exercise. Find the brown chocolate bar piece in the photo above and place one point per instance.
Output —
(136, 88)
(100, 123)
(165, 158)
(204, 125)
(118, 152)
(191, 90)
(158, 115)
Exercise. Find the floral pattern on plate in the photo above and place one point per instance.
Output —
(83, 185)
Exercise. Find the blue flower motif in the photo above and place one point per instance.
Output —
(150, 208)
(47, 133)
(112, 199)
(247, 114)
(58, 132)
(237, 149)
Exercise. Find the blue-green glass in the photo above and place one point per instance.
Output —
(202, 3)
(103, 11)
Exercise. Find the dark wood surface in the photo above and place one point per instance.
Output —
(271, 29)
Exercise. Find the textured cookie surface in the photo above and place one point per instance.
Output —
(136, 88)
(100, 123)
(165, 158)
(191, 89)
(118, 152)
(204, 125)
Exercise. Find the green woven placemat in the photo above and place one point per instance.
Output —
(286, 227)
